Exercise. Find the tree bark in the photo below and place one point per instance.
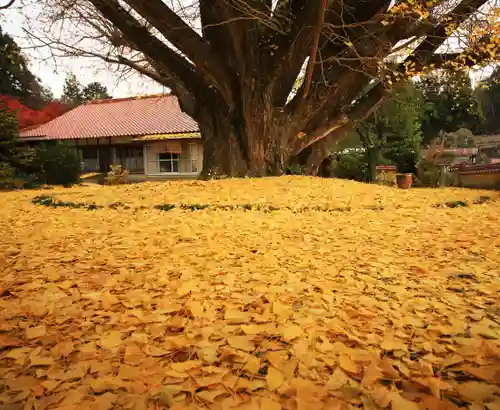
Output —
(223, 153)
(239, 146)
(249, 141)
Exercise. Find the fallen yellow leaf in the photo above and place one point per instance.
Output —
(274, 378)
(291, 332)
(241, 342)
(399, 403)
(281, 310)
(337, 380)
(252, 365)
(185, 366)
(347, 364)
(196, 308)
(210, 395)
(451, 360)
(111, 340)
(268, 404)
(234, 316)
(393, 344)
(477, 391)
(36, 332)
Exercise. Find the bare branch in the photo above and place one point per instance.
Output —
(186, 40)
(6, 6)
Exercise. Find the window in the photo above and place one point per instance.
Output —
(193, 155)
(130, 158)
(90, 158)
(169, 162)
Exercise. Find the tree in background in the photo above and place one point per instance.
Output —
(488, 94)
(233, 63)
(27, 117)
(9, 133)
(393, 133)
(16, 80)
(450, 104)
(20, 92)
(75, 94)
(47, 95)
(72, 94)
(95, 91)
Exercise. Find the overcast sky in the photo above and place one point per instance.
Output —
(52, 73)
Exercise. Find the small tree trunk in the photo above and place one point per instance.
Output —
(317, 154)
(372, 155)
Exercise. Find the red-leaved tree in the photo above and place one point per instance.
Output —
(27, 117)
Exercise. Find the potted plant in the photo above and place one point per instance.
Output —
(404, 180)
(406, 167)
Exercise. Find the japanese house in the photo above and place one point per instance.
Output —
(149, 136)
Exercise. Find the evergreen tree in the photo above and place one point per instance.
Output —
(95, 91)
(72, 95)
(16, 80)
(450, 104)
(75, 94)
(393, 133)
(488, 94)
(9, 132)
(47, 95)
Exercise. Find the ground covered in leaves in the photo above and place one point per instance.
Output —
(287, 293)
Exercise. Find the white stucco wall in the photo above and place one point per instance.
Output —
(153, 148)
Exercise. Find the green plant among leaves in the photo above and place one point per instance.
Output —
(45, 200)
(51, 202)
(56, 164)
(6, 171)
(456, 204)
(164, 207)
(194, 207)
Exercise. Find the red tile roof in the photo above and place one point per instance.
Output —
(159, 114)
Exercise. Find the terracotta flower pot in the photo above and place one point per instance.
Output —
(404, 180)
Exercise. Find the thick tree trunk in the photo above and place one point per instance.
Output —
(241, 145)
(223, 153)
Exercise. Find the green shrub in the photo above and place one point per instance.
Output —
(350, 166)
(26, 163)
(9, 133)
(405, 160)
(6, 171)
(295, 169)
(56, 164)
(433, 175)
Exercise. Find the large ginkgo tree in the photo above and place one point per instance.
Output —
(271, 82)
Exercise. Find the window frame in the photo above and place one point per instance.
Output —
(122, 156)
(173, 159)
(193, 159)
